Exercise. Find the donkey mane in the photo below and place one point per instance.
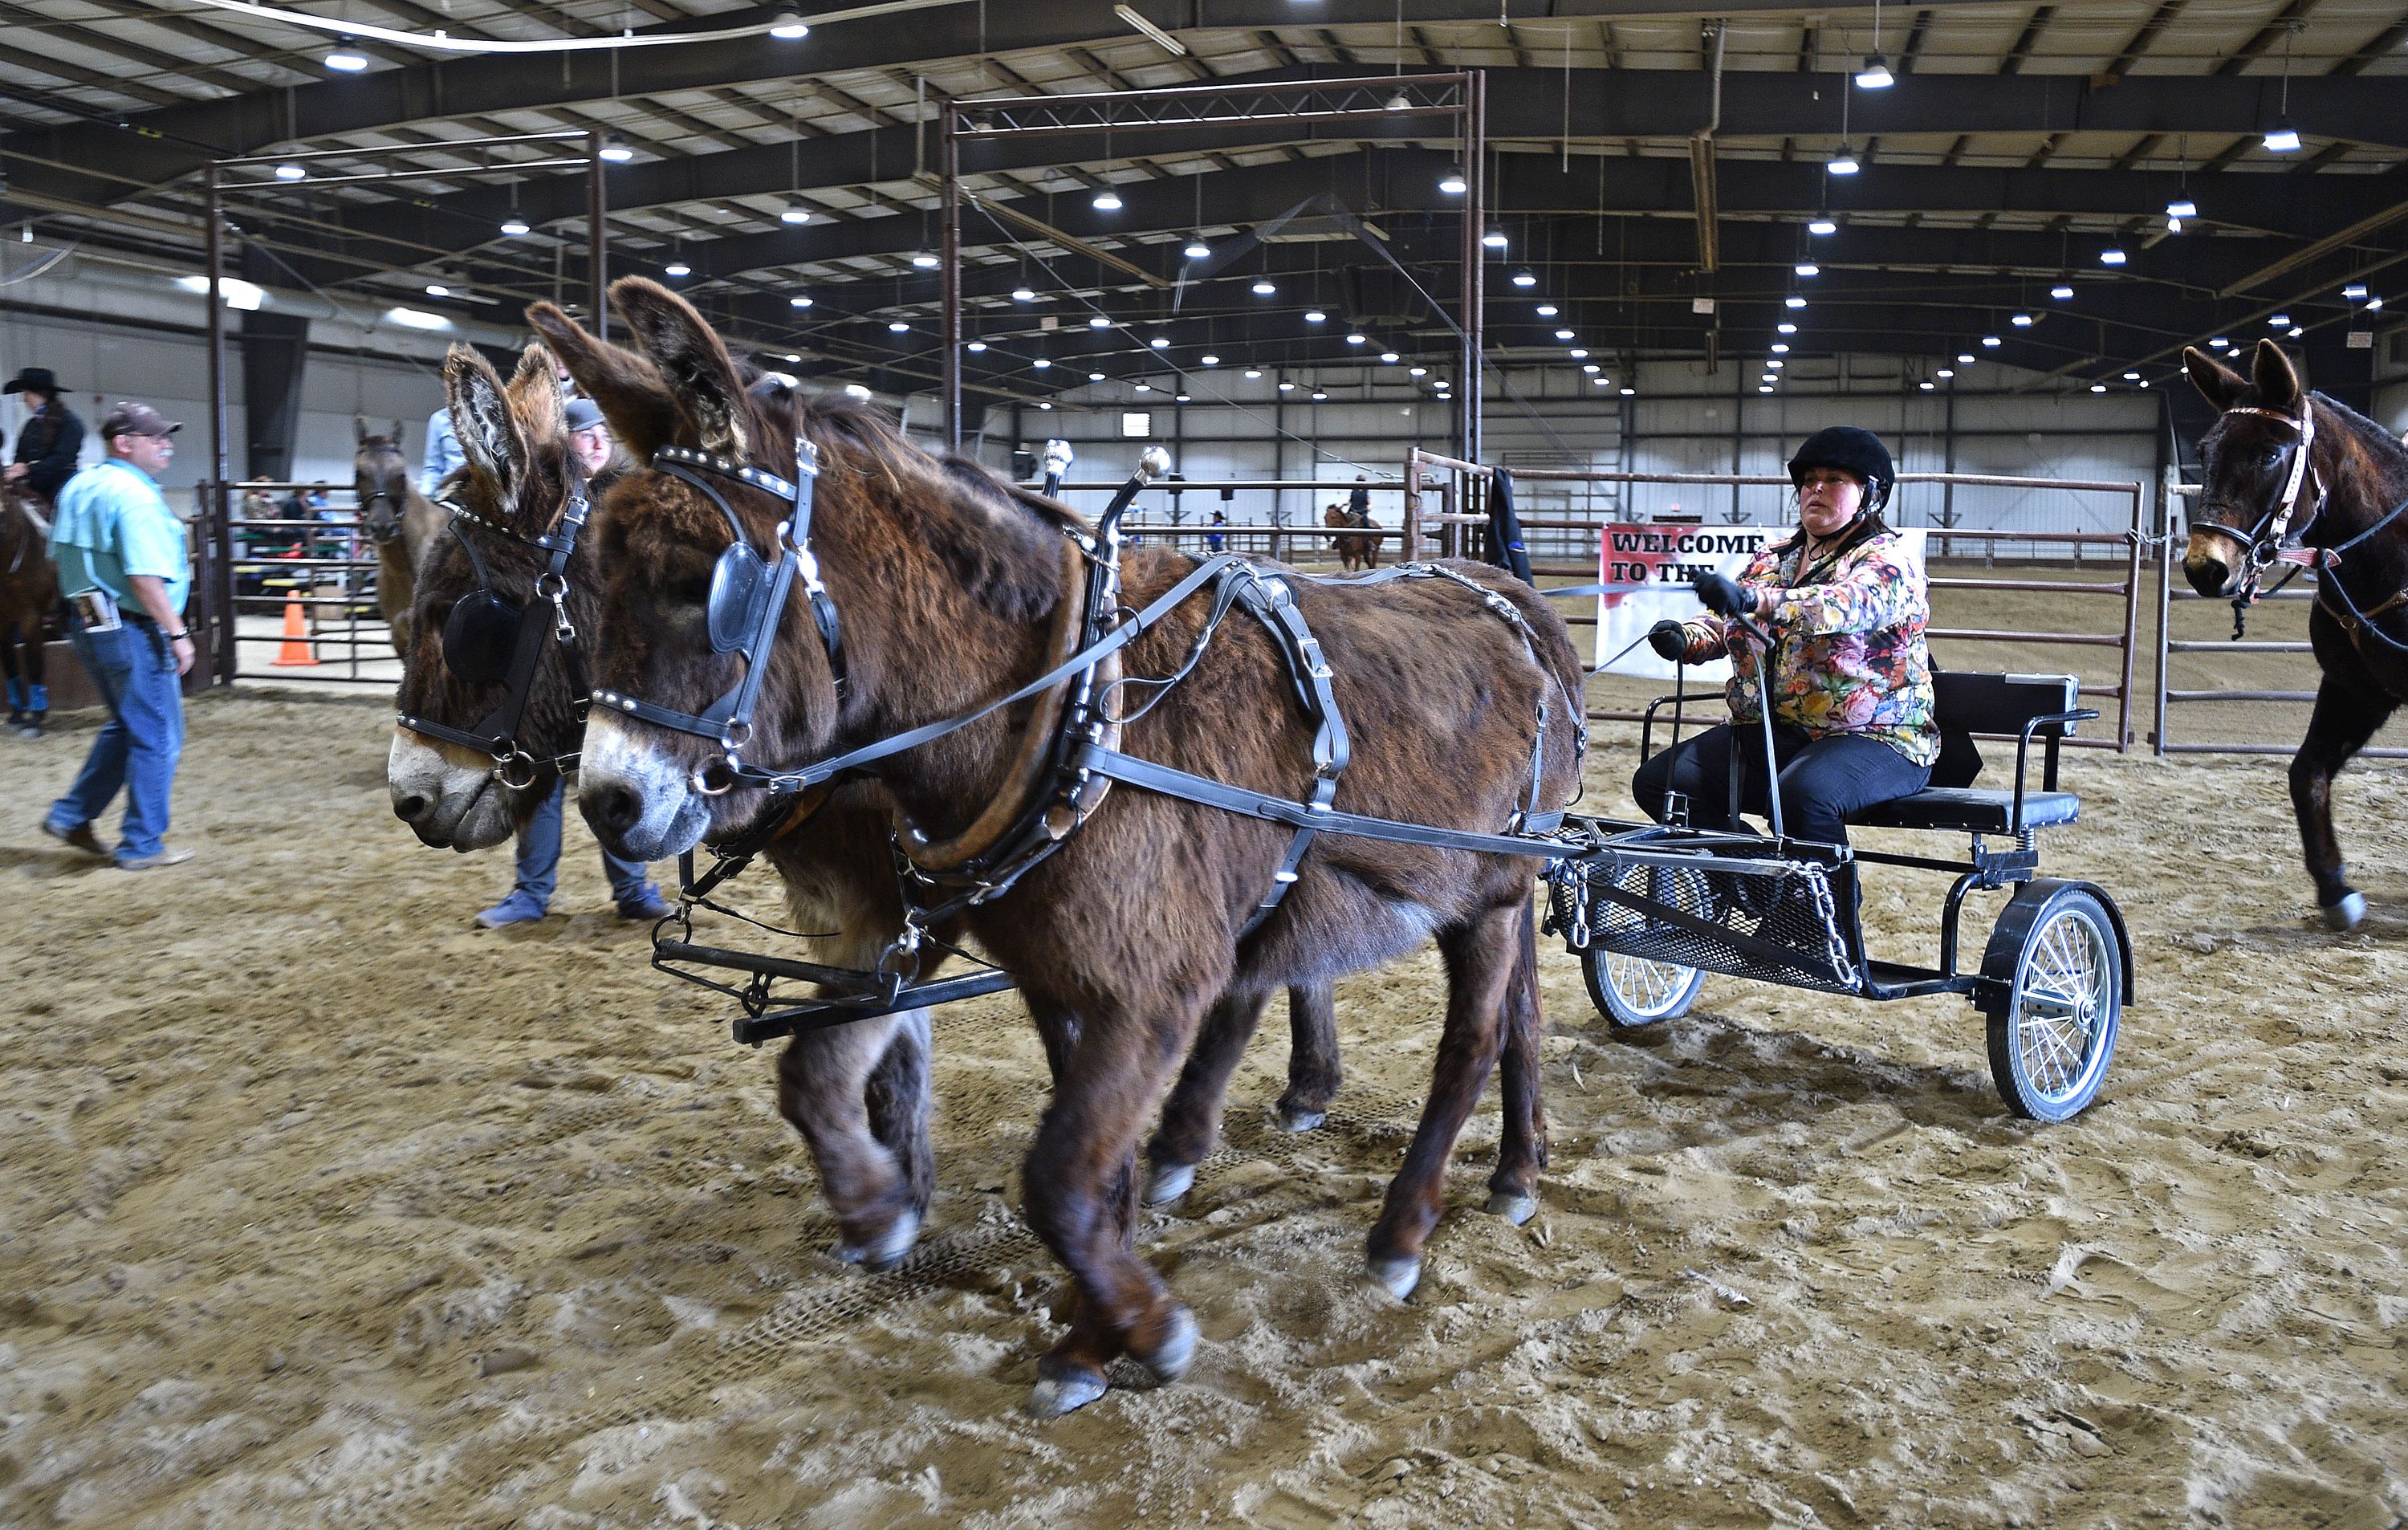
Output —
(1002, 542)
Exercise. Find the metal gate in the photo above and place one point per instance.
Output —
(290, 586)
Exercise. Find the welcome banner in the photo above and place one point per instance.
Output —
(1646, 568)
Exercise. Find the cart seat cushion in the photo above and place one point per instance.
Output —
(1970, 809)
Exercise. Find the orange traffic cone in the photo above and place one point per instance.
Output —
(298, 652)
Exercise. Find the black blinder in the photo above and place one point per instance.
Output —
(739, 584)
(480, 637)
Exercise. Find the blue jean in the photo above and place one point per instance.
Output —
(538, 867)
(134, 671)
(1822, 780)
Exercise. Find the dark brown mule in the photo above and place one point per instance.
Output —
(859, 1095)
(29, 592)
(400, 522)
(947, 581)
(1354, 550)
(2357, 476)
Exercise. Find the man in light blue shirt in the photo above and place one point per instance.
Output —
(443, 453)
(126, 570)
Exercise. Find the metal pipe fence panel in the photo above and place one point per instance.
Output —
(2175, 599)
(287, 556)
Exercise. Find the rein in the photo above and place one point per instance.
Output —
(465, 649)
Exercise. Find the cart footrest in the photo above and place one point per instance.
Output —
(1775, 921)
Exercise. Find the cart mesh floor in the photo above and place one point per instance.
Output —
(1784, 918)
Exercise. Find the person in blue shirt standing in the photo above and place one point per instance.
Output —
(124, 570)
(443, 453)
(538, 872)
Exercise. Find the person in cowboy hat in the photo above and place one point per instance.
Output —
(52, 437)
(1852, 696)
(125, 570)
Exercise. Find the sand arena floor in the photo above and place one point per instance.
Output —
(323, 1207)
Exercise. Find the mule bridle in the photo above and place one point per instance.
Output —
(496, 737)
(729, 721)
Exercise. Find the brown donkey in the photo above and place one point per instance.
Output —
(946, 582)
(858, 1094)
(400, 523)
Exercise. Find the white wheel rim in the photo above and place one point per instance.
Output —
(1648, 989)
(2061, 1003)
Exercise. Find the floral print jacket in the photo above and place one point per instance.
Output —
(1848, 654)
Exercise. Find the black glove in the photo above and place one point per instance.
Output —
(1668, 640)
(1724, 596)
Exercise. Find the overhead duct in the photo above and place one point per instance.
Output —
(1701, 156)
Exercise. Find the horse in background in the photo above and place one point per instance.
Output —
(399, 521)
(2345, 506)
(1354, 549)
(29, 592)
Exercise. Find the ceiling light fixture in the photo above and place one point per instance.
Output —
(924, 260)
(976, 345)
(615, 151)
(2282, 139)
(1315, 316)
(1108, 200)
(2111, 257)
(2182, 207)
(1521, 279)
(795, 214)
(1160, 342)
(1264, 287)
(1453, 183)
(1808, 268)
(1196, 249)
(1875, 74)
(2062, 294)
(344, 61)
(1355, 340)
(677, 268)
(290, 172)
(1022, 294)
(1794, 300)
(1822, 225)
(1494, 238)
(1786, 327)
(799, 302)
(898, 326)
(2021, 321)
(1547, 311)
(1992, 341)
(1209, 360)
(1099, 321)
(514, 226)
(1843, 163)
(788, 26)
(1781, 347)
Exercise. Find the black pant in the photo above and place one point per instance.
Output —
(1822, 780)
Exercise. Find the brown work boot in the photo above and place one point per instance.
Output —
(81, 836)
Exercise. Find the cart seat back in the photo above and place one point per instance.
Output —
(1995, 705)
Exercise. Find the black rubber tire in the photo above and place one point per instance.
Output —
(1671, 994)
(2061, 959)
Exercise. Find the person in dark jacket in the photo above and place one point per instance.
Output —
(52, 439)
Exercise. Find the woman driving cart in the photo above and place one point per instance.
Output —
(1846, 609)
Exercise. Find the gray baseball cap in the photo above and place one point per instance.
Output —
(584, 414)
(129, 418)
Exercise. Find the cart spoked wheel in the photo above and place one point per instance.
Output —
(1632, 991)
(2058, 951)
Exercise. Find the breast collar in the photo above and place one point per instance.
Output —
(2276, 529)
(729, 721)
(497, 734)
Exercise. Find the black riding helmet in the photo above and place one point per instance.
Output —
(1852, 450)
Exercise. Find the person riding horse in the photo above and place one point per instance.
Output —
(1851, 693)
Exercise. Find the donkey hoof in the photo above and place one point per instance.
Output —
(1171, 1359)
(849, 1253)
(1512, 1205)
(1397, 1277)
(1167, 1182)
(1295, 1118)
(2348, 914)
(1054, 1395)
(890, 1246)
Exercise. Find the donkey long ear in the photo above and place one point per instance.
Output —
(2278, 381)
(489, 439)
(692, 358)
(2219, 384)
(625, 387)
(535, 395)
